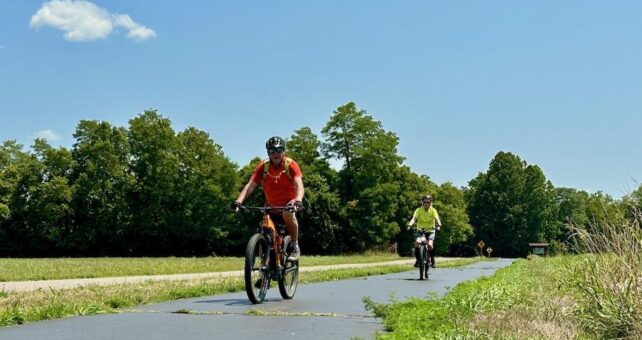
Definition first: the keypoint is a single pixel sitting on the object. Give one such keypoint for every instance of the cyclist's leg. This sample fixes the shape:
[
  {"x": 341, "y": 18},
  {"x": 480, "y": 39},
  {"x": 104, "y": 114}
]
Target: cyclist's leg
[
  {"x": 292, "y": 225},
  {"x": 431, "y": 248},
  {"x": 418, "y": 241}
]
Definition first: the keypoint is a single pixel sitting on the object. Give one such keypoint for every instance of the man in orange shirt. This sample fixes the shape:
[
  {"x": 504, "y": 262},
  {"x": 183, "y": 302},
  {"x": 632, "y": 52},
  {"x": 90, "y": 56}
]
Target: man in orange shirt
[{"x": 282, "y": 183}]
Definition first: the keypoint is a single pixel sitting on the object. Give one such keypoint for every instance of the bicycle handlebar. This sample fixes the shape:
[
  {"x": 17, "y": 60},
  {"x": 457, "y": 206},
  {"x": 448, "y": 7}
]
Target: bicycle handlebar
[
  {"x": 264, "y": 210},
  {"x": 414, "y": 228}
]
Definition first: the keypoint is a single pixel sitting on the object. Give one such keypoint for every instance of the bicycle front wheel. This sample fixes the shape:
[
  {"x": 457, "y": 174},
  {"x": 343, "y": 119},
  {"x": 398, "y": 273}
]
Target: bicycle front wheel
[
  {"x": 428, "y": 263},
  {"x": 257, "y": 279},
  {"x": 422, "y": 262},
  {"x": 290, "y": 277}
]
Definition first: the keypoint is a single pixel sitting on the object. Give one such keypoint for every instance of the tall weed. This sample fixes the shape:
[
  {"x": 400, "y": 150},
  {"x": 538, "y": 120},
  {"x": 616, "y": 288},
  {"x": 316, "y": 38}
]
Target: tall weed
[{"x": 607, "y": 282}]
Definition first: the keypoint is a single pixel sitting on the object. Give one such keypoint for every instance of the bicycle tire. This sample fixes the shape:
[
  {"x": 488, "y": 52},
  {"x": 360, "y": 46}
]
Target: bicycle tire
[
  {"x": 422, "y": 262},
  {"x": 290, "y": 277},
  {"x": 255, "y": 253},
  {"x": 428, "y": 263}
]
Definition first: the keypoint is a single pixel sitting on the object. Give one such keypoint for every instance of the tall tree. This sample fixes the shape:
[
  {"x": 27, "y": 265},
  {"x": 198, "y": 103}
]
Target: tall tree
[
  {"x": 13, "y": 161},
  {"x": 451, "y": 205},
  {"x": 101, "y": 182},
  {"x": 319, "y": 223},
  {"x": 367, "y": 183},
  {"x": 155, "y": 167},
  {"x": 510, "y": 205},
  {"x": 38, "y": 199},
  {"x": 205, "y": 185}
]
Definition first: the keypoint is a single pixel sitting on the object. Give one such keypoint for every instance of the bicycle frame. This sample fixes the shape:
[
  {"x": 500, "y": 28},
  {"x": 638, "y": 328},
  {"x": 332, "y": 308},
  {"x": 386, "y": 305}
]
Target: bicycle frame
[{"x": 274, "y": 236}]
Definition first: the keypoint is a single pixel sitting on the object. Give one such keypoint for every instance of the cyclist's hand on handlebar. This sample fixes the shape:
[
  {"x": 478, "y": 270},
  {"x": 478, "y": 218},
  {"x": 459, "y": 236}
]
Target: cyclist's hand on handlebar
[
  {"x": 235, "y": 206},
  {"x": 294, "y": 205},
  {"x": 438, "y": 228}
]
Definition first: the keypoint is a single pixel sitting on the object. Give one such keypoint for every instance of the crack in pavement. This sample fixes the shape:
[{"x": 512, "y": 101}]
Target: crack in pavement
[{"x": 253, "y": 312}]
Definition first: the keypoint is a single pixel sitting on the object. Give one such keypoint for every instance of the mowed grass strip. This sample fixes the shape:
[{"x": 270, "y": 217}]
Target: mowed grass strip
[
  {"x": 45, "y": 304},
  {"x": 78, "y": 268}
]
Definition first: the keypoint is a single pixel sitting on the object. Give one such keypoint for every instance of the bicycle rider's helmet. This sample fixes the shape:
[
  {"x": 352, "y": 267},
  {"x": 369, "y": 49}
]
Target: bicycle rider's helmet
[
  {"x": 275, "y": 142},
  {"x": 426, "y": 198}
]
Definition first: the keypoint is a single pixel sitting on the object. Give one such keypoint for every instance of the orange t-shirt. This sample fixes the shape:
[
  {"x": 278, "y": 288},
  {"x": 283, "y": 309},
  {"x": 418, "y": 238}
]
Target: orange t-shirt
[{"x": 279, "y": 189}]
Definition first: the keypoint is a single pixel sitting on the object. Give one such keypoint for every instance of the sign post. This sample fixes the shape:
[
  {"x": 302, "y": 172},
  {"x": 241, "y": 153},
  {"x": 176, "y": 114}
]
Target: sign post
[{"x": 481, "y": 244}]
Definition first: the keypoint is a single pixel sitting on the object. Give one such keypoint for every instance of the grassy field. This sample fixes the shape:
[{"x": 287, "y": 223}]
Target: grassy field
[
  {"x": 75, "y": 268},
  {"x": 597, "y": 295},
  {"x": 21, "y": 307}
]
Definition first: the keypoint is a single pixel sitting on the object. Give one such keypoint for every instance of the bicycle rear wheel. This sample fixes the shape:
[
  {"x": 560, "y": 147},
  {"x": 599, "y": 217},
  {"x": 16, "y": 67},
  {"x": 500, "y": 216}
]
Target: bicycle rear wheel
[
  {"x": 290, "y": 277},
  {"x": 257, "y": 278}
]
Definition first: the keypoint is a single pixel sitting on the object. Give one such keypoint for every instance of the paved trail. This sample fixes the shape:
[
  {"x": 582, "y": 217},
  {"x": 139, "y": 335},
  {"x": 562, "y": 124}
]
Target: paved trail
[{"x": 324, "y": 310}]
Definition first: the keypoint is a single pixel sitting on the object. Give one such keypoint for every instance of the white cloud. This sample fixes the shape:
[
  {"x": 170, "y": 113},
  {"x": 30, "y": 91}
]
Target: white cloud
[
  {"x": 47, "y": 134},
  {"x": 136, "y": 30},
  {"x": 83, "y": 21}
]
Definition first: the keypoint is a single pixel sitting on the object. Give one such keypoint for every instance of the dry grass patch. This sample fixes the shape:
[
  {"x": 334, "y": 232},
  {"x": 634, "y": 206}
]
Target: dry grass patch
[{"x": 524, "y": 324}]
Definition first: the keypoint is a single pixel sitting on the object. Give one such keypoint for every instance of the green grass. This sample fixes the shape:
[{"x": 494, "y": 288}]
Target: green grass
[
  {"x": 518, "y": 302},
  {"x": 75, "y": 268}
]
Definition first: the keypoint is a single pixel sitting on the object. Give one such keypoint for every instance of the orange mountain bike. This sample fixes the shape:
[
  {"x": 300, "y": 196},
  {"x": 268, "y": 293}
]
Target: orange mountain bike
[{"x": 266, "y": 256}]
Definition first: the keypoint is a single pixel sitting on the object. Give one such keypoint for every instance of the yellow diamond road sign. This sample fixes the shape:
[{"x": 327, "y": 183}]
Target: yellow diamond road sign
[{"x": 481, "y": 244}]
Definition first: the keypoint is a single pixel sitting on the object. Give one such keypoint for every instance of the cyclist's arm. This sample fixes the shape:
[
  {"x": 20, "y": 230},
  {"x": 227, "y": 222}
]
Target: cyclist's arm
[
  {"x": 247, "y": 191},
  {"x": 437, "y": 221},
  {"x": 300, "y": 190},
  {"x": 412, "y": 220}
]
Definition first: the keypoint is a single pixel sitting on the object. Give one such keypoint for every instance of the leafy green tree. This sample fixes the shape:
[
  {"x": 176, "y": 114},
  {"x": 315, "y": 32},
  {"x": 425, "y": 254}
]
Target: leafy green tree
[
  {"x": 244, "y": 225},
  {"x": 571, "y": 206},
  {"x": 319, "y": 223},
  {"x": 38, "y": 197},
  {"x": 602, "y": 208},
  {"x": 631, "y": 204},
  {"x": 510, "y": 205},
  {"x": 570, "y": 210},
  {"x": 367, "y": 184},
  {"x": 205, "y": 185},
  {"x": 12, "y": 160},
  {"x": 451, "y": 205},
  {"x": 101, "y": 181},
  {"x": 155, "y": 167},
  {"x": 10, "y": 153},
  {"x": 50, "y": 211}
]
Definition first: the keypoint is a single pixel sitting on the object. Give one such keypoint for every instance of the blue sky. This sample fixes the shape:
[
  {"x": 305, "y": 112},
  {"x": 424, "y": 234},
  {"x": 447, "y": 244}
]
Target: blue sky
[{"x": 558, "y": 83}]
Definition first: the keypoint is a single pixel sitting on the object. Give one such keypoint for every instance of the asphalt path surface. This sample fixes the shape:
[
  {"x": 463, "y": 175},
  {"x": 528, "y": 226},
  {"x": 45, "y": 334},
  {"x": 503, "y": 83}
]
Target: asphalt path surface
[{"x": 324, "y": 310}]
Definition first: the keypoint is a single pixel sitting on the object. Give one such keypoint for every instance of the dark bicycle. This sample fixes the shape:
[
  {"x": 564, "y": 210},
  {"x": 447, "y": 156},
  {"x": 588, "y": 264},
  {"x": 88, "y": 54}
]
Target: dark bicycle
[
  {"x": 266, "y": 256},
  {"x": 424, "y": 258}
]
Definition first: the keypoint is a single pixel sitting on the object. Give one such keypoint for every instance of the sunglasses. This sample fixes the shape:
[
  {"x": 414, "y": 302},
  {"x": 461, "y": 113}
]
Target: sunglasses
[
  {"x": 424, "y": 202},
  {"x": 276, "y": 150}
]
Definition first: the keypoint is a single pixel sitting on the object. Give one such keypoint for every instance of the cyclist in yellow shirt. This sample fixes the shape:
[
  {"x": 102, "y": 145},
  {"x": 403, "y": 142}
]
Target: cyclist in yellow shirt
[{"x": 426, "y": 217}]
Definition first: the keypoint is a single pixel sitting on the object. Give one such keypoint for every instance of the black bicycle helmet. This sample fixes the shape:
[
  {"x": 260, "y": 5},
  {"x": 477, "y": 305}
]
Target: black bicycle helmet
[
  {"x": 275, "y": 142},
  {"x": 426, "y": 198}
]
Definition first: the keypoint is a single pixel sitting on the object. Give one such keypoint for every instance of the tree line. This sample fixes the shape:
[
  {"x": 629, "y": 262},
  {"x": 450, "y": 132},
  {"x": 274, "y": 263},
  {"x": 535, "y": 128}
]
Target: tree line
[{"x": 147, "y": 190}]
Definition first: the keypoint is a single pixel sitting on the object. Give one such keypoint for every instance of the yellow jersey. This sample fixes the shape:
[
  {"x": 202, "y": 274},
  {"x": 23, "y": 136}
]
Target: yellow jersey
[{"x": 426, "y": 218}]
